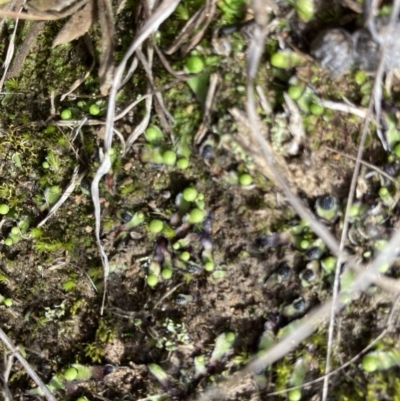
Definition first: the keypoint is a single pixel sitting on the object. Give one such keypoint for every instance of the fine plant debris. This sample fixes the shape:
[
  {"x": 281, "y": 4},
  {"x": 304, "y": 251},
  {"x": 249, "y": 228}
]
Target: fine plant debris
[{"x": 199, "y": 200}]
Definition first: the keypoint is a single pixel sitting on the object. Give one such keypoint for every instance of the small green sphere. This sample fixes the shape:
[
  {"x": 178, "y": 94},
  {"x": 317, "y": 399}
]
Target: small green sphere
[
  {"x": 189, "y": 194},
  {"x": 396, "y": 150},
  {"x": 196, "y": 216},
  {"x": 369, "y": 363},
  {"x": 194, "y": 64},
  {"x": 294, "y": 395},
  {"x": 279, "y": 60},
  {"x": 185, "y": 256},
  {"x": 46, "y": 165},
  {"x": 355, "y": 210},
  {"x": 295, "y": 92},
  {"x": 305, "y": 10},
  {"x": 383, "y": 192},
  {"x": 360, "y": 77},
  {"x": 94, "y": 109},
  {"x": 4, "y": 209},
  {"x": 166, "y": 274},
  {"x": 15, "y": 231},
  {"x": 66, "y": 114},
  {"x": 153, "y": 134},
  {"x": 50, "y": 129},
  {"x": 304, "y": 244},
  {"x": 82, "y": 399},
  {"x": 183, "y": 163},
  {"x": 209, "y": 266},
  {"x": 8, "y": 241},
  {"x": 156, "y": 226},
  {"x": 329, "y": 264},
  {"x": 316, "y": 109},
  {"x": 8, "y": 302},
  {"x": 245, "y": 180},
  {"x": 169, "y": 157},
  {"x": 70, "y": 374},
  {"x": 152, "y": 280}
]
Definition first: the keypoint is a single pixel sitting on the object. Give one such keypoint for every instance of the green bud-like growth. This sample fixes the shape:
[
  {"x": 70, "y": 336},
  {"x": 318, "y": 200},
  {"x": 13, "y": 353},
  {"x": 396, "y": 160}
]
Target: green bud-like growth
[
  {"x": 329, "y": 264},
  {"x": 84, "y": 372},
  {"x": 316, "y": 109},
  {"x": 71, "y": 374},
  {"x": 152, "y": 155},
  {"x": 169, "y": 157},
  {"x": 183, "y": 163},
  {"x": 380, "y": 360},
  {"x": 159, "y": 374},
  {"x": 386, "y": 196},
  {"x": 310, "y": 275},
  {"x": 156, "y": 226},
  {"x": 52, "y": 195},
  {"x": 295, "y": 91},
  {"x": 326, "y": 207},
  {"x": 152, "y": 280},
  {"x": 4, "y": 209},
  {"x": 153, "y": 134},
  {"x": 223, "y": 344},
  {"x": 297, "y": 379},
  {"x": 196, "y": 216},
  {"x": 194, "y": 65},
  {"x": 189, "y": 194},
  {"x": 136, "y": 220},
  {"x": 245, "y": 179},
  {"x": 199, "y": 366},
  {"x": 286, "y": 59},
  {"x": 297, "y": 307},
  {"x": 305, "y": 9},
  {"x": 66, "y": 114}
]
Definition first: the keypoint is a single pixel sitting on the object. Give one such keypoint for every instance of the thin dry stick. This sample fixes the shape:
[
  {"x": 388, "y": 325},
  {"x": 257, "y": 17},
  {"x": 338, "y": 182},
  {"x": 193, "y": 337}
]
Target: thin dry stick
[
  {"x": 9, "y": 55},
  {"x": 208, "y": 14},
  {"x": 161, "y": 14},
  {"x": 388, "y": 327},
  {"x": 27, "y": 367},
  {"x": 377, "y": 92},
  {"x": 345, "y": 108},
  {"x": 75, "y": 180},
  {"x": 79, "y": 81},
  {"x": 194, "y": 21},
  {"x": 310, "y": 322},
  {"x": 8, "y": 363},
  {"x": 371, "y": 166}
]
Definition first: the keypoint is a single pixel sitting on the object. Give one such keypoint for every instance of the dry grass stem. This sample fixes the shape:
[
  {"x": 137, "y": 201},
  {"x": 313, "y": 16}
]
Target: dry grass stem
[
  {"x": 75, "y": 180},
  {"x": 375, "y": 102},
  {"x": 371, "y": 166},
  {"x": 163, "y": 11},
  {"x": 27, "y": 367},
  {"x": 343, "y": 107}
]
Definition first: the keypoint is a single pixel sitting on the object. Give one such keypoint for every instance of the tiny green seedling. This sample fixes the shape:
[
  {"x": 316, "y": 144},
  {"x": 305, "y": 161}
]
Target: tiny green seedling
[{"x": 223, "y": 344}]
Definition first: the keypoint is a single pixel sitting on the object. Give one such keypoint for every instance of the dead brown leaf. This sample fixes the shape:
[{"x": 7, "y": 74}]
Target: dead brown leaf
[
  {"x": 106, "y": 68},
  {"x": 77, "y": 25}
]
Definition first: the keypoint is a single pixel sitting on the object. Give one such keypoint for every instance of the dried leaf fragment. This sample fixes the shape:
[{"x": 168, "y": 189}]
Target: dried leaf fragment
[
  {"x": 76, "y": 26},
  {"x": 106, "y": 68}
]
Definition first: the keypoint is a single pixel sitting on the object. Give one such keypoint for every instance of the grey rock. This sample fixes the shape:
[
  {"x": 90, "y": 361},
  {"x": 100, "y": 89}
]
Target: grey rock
[
  {"x": 337, "y": 50},
  {"x": 334, "y": 49}
]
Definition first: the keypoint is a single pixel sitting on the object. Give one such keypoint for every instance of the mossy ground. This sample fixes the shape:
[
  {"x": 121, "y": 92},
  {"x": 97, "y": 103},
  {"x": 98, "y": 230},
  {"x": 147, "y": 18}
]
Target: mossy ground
[{"x": 54, "y": 275}]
